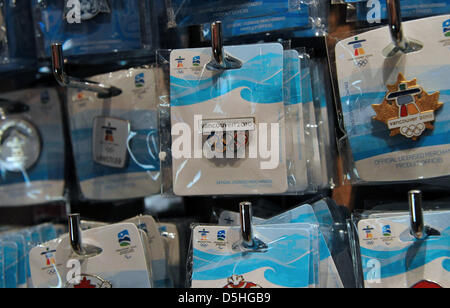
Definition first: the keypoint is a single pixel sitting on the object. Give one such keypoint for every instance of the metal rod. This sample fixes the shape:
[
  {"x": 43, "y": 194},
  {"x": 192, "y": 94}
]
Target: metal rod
[
  {"x": 418, "y": 228},
  {"x": 221, "y": 60},
  {"x": 64, "y": 80},
  {"x": 75, "y": 234},
  {"x": 246, "y": 215},
  {"x": 395, "y": 25},
  {"x": 217, "y": 43}
]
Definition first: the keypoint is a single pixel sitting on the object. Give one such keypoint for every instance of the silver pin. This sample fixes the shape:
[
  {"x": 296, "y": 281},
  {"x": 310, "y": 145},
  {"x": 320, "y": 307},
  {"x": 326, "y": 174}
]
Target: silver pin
[
  {"x": 249, "y": 242},
  {"x": 76, "y": 241},
  {"x": 399, "y": 41},
  {"x": 221, "y": 60},
  {"x": 103, "y": 91},
  {"x": 20, "y": 142}
]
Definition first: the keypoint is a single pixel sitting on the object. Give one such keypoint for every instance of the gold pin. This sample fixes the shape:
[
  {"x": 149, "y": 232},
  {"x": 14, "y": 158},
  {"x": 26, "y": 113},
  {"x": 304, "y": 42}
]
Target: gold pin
[{"x": 407, "y": 108}]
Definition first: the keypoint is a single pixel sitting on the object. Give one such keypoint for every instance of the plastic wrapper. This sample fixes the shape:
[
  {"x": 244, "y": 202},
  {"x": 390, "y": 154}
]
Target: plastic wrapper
[
  {"x": 324, "y": 114},
  {"x": 10, "y": 263},
  {"x": 4, "y": 51},
  {"x": 171, "y": 239},
  {"x": 17, "y": 46},
  {"x": 393, "y": 106},
  {"x": 314, "y": 162},
  {"x": 376, "y": 11},
  {"x": 308, "y": 18},
  {"x": 195, "y": 104},
  {"x": 244, "y": 106},
  {"x": 219, "y": 259},
  {"x": 96, "y": 27},
  {"x": 32, "y": 148},
  {"x": 386, "y": 254},
  {"x": 121, "y": 261},
  {"x": 15, "y": 265},
  {"x": 115, "y": 140},
  {"x": 162, "y": 240}
]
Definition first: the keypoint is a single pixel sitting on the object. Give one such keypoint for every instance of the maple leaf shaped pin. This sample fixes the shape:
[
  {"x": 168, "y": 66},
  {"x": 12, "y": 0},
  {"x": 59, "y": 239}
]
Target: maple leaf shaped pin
[{"x": 407, "y": 108}]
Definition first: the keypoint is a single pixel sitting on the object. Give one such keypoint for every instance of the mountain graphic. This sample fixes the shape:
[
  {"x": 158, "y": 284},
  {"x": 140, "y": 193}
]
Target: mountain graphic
[{"x": 124, "y": 238}]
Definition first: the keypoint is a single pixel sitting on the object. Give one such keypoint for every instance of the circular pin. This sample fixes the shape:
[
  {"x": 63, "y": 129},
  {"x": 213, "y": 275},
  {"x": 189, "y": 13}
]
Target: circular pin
[{"x": 20, "y": 145}]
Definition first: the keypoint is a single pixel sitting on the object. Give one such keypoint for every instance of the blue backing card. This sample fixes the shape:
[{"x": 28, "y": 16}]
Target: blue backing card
[
  {"x": 20, "y": 34},
  {"x": 10, "y": 264},
  {"x": 20, "y": 242},
  {"x": 119, "y": 30}
]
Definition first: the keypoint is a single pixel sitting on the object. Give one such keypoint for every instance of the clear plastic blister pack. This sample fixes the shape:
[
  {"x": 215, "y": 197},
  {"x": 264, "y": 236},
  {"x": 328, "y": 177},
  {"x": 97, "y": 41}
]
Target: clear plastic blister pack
[
  {"x": 410, "y": 9},
  {"x": 115, "y": 140},
  {"x": 335, "y": 269},
  {"x": 32, "y": 147},
  {"x": 17, "y": 46},
  {"x": 93, "y": 26},
  {"x": 301, "y": 18},
  {"x": 228, "y": 128},
  {"x": 393, "y": 105},
  {"x": 15, "y": 246},
  {"x": 276, "y": 121},
  {"x": 386, "y": 254},
  {"x": 219, "y": 259},
  {"x": 112, "y": 256}
]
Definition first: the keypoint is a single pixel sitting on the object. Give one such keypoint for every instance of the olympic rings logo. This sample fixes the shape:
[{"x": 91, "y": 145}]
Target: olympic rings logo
[{"x": 413, "y": 130}]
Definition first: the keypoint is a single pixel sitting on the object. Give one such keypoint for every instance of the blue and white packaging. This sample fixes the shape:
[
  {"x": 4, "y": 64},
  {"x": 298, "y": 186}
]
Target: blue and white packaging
[
  {"x": 17, "y": 45},
  {"x": 328, "y": 274},
  {"x": 388, "y": 142},
  {"x": 43, "y": 181},
  {"x": 228, "y": 127},
  {"x": 288, "y": 262},
  {"x": 391, "y": 257},
  {"x": 103, "y": 26},
  {"x": 121, "y": 263},
  {"x": 158, "y": 258},
  {"x": 367, "y": 10},
  {"x": 10, "y": 264},
  {"x": 20, "y": 241},
  {"x": 115, "y": 140},
  {"x": 295, "y": 126}
]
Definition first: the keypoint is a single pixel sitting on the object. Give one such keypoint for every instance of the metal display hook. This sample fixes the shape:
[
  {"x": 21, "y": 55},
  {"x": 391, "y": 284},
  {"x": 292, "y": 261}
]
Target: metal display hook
[
  {"x": 399, "y": 41},
  {"x": 417, "y": 225},
  {"x": 102, "y": 90},
  {"x": 418, "y": 228},
  {"x": 76, "y": 242},
  {"x": 249, "y": 242},
  {"x": 221, "y": 60}
]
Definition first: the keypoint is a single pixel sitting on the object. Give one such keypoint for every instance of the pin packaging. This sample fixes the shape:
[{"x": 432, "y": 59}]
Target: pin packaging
[
  {"x": 115, "y": 139},
  {"x": 93, "y": 27},
  {"x": 32, "y": 148},
  {"x": 389, "y": 255},
  {"x": 295, "y": 127},
  {"x": 120, "y": 264},
  {"x": 222, "y": 117},
  {"x": 216, "y": 264},
  {"x": 158, "y": 258},
  {"x": 394, "y": 104},
  {"x": 171, "y": 239}
]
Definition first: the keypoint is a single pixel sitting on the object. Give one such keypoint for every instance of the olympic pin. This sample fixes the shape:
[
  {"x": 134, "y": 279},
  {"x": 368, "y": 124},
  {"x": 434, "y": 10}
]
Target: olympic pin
[{"x": 408, "y": 109}]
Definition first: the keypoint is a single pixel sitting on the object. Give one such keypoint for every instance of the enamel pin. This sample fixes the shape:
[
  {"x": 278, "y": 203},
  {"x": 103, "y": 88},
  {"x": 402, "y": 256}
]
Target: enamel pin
[{"x": 408, "y": 109}]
